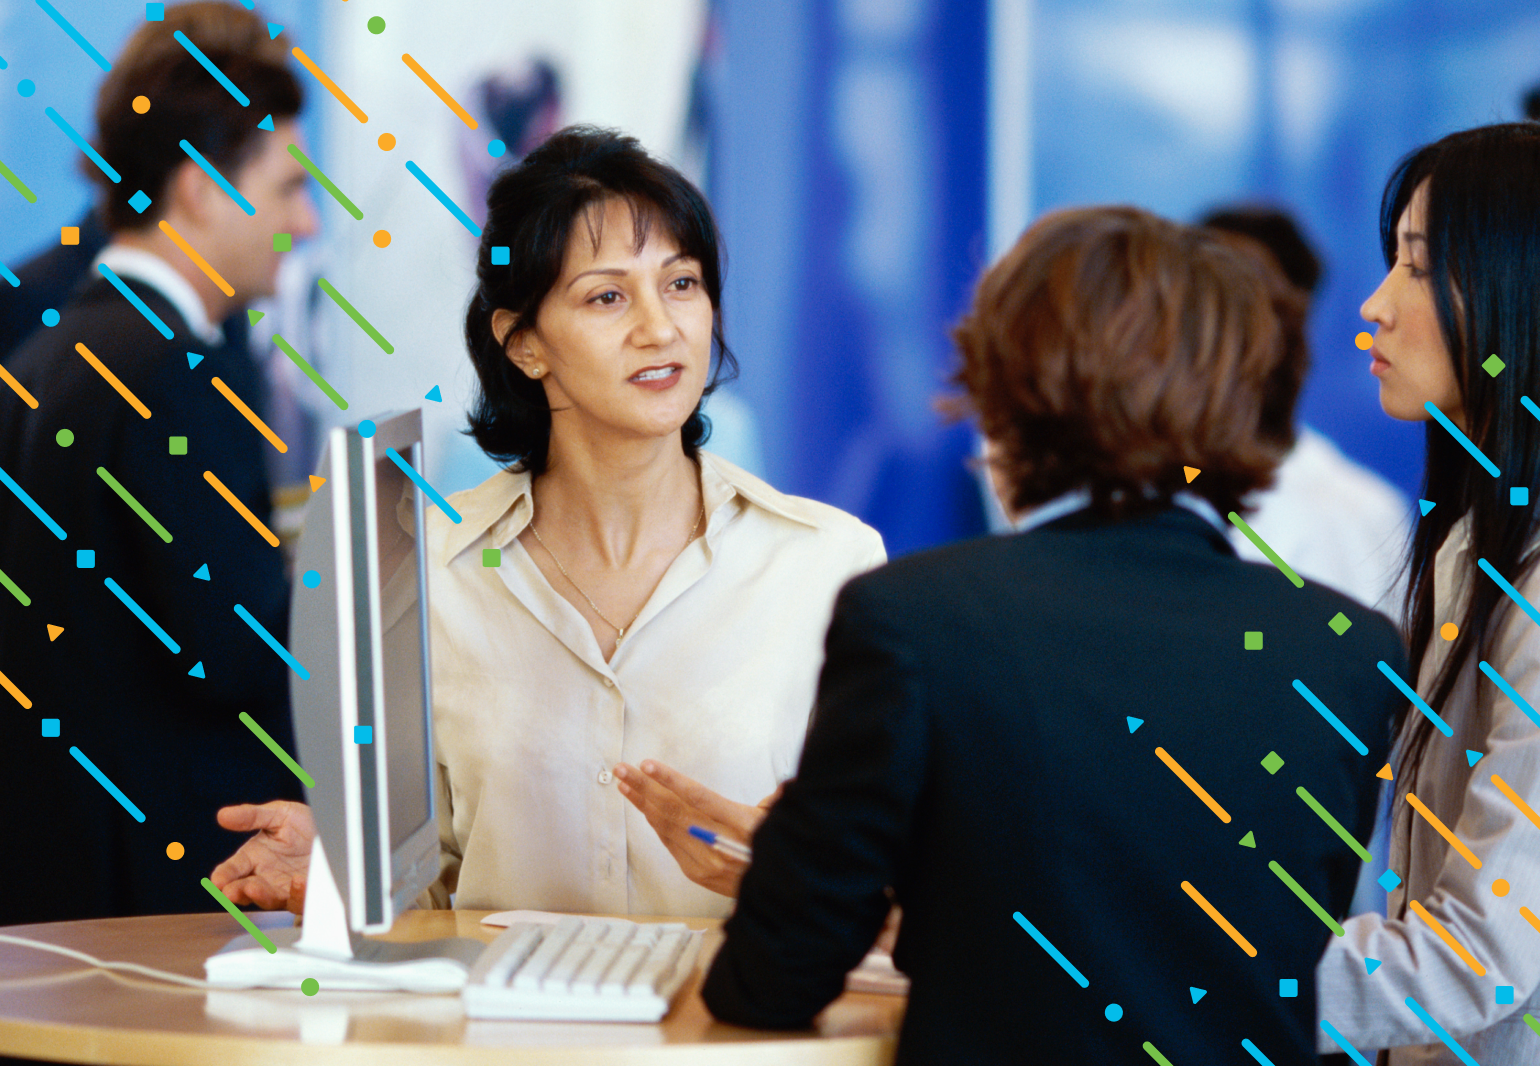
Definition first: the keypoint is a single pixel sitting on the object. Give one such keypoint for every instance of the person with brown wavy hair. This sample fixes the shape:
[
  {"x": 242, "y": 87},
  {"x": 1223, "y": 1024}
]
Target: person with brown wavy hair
[{"x": 974, "y": 746}]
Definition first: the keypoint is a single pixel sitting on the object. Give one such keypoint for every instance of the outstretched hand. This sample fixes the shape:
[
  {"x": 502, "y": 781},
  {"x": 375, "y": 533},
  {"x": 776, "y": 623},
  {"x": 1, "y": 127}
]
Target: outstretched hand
[
  {"x": 269, "y": 870},
  {"x": 672, "y": 803}
]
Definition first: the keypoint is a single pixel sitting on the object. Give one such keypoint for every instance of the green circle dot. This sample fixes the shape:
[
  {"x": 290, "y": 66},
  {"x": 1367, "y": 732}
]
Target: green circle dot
[
  {"x": 310, "y": 986},
  {"x": 376, "y": 25},
  {"x": 65, "y": 438}
]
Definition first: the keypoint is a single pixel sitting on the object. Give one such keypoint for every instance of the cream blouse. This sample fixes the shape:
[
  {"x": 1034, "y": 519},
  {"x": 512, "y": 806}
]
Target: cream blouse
[{"x": 716, "y": 678}]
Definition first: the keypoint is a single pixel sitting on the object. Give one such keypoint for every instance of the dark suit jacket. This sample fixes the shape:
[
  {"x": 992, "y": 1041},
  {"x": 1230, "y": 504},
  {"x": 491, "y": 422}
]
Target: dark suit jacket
[
  {"x": 971, "y": 748},
  {"x": 173, "y": 743},
  {"x": 48, "y": 279}
]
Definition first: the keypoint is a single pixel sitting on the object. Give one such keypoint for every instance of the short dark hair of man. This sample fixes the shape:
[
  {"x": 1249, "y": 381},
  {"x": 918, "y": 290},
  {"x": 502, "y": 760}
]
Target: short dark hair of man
[
  {"x": 1279, "y": 233},
  {"x": 187, "y": 102},
  {"x": 1110, "y": 348}
]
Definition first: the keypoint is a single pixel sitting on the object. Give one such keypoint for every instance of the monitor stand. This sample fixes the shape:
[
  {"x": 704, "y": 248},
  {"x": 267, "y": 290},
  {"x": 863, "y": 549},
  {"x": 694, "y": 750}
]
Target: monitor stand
[{"x": 324, "y": 948}]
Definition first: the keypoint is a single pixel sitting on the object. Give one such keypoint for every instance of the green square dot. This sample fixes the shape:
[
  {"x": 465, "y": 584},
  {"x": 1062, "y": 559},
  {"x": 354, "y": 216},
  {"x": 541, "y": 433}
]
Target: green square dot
[
  {"x": 491, "y": 557},
  {"x": 283, "y": 242},
  {"x": 1493, "y": 365},
  {"x": 1339, "y": 624},
  {"x": 1273, "y": 763},
  {"x": 178, "y": 445},
  {"x": 1253, "y": 640}
]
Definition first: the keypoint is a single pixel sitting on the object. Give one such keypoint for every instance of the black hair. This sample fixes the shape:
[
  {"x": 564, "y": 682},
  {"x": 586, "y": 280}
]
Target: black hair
[
  {"x": 1483, "y": 239},
  {"x": 1532, "y": 103},
  {"x": 1279, "y": 233},
  {"x": 532, "y": 210}
]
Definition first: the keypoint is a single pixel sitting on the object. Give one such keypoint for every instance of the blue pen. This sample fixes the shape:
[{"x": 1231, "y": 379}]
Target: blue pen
[{"x": 730, "y": 848}]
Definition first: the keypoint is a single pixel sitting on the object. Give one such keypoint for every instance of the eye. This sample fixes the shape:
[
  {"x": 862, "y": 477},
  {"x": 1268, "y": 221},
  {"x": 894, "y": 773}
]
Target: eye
[
  {"x": 685, "y": 283},
  {"x": 606, "y": 299}
]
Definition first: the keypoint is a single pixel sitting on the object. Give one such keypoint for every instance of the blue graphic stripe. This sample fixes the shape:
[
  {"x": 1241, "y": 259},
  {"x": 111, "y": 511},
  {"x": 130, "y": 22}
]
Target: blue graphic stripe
[
  {"x": 219, "y": 179},
  {"x": 1417, "y": 701},
  {"x": 1529, "y": 405},
  {"x": 283, "y": 653},
  {"x": 1058, "y": 956},
  {"x": 85, "y": 46},
  {"x": 219, "y": 75},
  {"x": 454, "y": 208},
  {"x": 1513, "y": 594},
  {"x": 128, "y": 601},
  {"x": 21, "y": 494},
  {"x": 1461, "y": 439},
  {"x": 101, "y": 779},
  {"x": 1336, "y": 723},
  {"x": 406, "y": 468},
  {"x": 1512, "y": 693},
  {"x": 1348, "y": 1049},
  {"x": 80, "y": 142},
  {"x": 128, "y": 294},
  {"x": 5, "y": 272},
  {"x": 1256, "y": 1053},
  {"x": 1441, "y": 1033}
]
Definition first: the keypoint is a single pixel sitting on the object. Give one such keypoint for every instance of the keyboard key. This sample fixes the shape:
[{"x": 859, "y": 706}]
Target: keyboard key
[{"x": 554, "y": 943}]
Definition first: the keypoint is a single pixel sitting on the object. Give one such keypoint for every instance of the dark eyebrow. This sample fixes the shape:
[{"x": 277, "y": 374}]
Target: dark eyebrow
[
  {"x": 1409, "y": 237},
  {"x": 620, "y": 272}
]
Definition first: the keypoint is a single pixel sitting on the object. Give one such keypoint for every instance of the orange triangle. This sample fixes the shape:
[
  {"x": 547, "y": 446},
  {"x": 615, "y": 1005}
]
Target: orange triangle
[
  {"x": 1191, "y": 472},
  {"x": 1384, "y": 773},
  {"x": 54, "y": 631},
  {"x": 316, "y": 482}
]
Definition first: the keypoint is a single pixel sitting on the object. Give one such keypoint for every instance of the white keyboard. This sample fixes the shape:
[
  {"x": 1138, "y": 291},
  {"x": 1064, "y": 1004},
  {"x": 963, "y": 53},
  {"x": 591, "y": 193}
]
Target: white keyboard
[{"x": 582, "y": 969}]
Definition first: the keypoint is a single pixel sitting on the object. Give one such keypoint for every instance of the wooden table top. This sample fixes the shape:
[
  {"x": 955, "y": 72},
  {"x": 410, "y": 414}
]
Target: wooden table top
[{"x": 56, "y": 1008}]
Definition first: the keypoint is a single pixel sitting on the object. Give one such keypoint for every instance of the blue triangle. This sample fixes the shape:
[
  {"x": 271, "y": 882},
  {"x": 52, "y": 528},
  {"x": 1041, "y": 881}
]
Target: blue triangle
[
  {"x": 193, "y": 359},
  {"x": 1473, "y": 757},
  {"x": 273, "y": 30},
  {"x": 1426, "y": 505},
  {"x": 196, "y": 671},
  {"x": 1372, "y": 964},
  {"x": 202, "y": 573},
  {"x": 266, "y": 124},
  {"x": 1197, "y": 993},
  {"x": 434, "y": 395},
  {"x": 1134, "y": 723}
]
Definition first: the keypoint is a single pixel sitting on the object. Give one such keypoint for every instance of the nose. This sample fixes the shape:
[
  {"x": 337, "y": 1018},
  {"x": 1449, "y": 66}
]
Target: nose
[
  {"x": 655, "y": 327},
  {"x": 307, "y": 222},
  {"x": 1377, "y": 307}
]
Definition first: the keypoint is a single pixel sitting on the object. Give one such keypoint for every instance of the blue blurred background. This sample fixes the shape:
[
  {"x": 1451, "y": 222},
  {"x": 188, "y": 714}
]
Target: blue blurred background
[{"x": 866, "y": 158}]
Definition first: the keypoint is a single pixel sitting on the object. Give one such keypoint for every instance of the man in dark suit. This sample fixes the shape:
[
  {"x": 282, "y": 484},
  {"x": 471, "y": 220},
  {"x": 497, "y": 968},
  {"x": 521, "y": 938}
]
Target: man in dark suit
[
  {"x": 140, "y": 559},
  {"x": 1070, "y": 736}
]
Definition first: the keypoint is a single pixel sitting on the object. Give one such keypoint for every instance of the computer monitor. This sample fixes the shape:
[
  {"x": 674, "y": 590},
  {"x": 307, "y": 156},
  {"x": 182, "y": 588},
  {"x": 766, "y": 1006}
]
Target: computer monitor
[{"x": 362, "y": 703}]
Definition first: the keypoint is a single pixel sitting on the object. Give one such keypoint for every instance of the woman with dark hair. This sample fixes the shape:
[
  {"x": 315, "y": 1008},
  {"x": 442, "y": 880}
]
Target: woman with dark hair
[
  {"x": 1458, "y": 346},
  {"x": 617, "y": 593}
]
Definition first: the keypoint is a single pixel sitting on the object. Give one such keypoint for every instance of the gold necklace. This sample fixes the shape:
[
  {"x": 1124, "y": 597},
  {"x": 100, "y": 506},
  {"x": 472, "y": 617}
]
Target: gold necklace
[{"x": 620, "y": 631}]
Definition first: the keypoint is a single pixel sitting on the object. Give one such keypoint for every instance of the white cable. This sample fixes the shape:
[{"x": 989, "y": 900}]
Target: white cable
[{"x": 132, "y": 967}]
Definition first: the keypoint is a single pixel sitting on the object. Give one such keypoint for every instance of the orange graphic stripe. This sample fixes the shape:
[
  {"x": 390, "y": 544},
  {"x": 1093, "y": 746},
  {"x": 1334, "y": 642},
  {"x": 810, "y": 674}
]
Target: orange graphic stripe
[
  {"x": 331, "y": 86},
  {"x": 1219, "y": 919},
  {"x": 192, "y": 253},
  {"x": 251, "y": 416},
  {"x": 18, "y": 388},
  {"x": 10, "y": 686},
  {"x": 245, "y": 512},
  {"x": 1197, "y": 789},
  {"x": 1518, "y": 801},
  {"x": 1454, "y": 842},
  {"x": 1443, "y": 934},
  {"x": 112, "y": 379},
  {"x": 438, "y": 90}
]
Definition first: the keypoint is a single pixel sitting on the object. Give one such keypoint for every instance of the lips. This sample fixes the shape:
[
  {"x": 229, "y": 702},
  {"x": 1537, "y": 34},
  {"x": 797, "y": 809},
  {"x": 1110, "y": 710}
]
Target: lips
[
  {"x": 1379, "y": 364},
  {"x": 653, "y": 374}
]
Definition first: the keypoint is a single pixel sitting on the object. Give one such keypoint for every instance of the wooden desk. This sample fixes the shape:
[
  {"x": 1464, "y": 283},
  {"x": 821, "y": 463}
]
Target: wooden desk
[{"x": 52, "y": 1007}]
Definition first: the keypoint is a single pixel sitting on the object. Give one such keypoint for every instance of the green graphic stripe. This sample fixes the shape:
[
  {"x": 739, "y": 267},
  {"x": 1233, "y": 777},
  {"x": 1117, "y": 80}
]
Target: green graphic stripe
[
  {"x": 1336, "y": 826},
  {"x": 19, "y": 185},
  {"x": 310, "y": 371},
  {"x": 1272, "y": 556},
  {"x": 235, "y": 912},
  {"x": 26, "y": 601},
  {"x": 1155, "y": 1054},
  {"x": 363, "y": 323},
  {"x": 326, "y": 183},
  {"x": 1307, "y": 899},
  {"x": 128, "y": 498},
  {"x": 277, "y": 749},
  {"x": 1529, "y": 1020}
]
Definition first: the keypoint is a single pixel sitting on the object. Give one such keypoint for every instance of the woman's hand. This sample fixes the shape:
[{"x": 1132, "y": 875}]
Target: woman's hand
[
  {"x": 269, "y": 870},
  {"x": 673, "y": 802}
]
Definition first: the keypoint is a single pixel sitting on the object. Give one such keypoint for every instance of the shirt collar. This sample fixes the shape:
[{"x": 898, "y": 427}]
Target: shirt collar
[
  {"x": 155, "y": 272},
  {"x": 501, "y": 506},
  {"x": 1079, "y": 499}
]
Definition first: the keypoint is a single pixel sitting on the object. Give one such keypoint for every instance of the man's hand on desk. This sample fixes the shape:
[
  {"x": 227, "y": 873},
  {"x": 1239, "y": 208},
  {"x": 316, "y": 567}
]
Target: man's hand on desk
[
  {"x": 673, "y": 802},
  {"x": 269, "y": 869}
]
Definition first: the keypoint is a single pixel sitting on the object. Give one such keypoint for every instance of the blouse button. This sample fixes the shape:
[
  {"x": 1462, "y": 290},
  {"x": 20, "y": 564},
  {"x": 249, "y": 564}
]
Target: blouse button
[
  {"x": 608, "y": 683},
  {"x": 605, "y": 777}
]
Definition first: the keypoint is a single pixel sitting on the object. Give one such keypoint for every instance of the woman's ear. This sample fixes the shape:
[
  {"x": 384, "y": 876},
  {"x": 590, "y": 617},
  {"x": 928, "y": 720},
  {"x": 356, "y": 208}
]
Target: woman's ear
[{"x": 516, "y": 343}]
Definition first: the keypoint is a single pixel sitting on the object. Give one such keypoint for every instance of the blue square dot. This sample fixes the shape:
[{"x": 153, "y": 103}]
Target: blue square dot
[
  {"x": 1389, "y": 880},
  {"x": 1505, "y": 993},
  {"x": 1518, "y": 496},
  {"x": 51, "y": 729},
  {"x": 139, "y": 201},
  {"x": 363, "y": 734},
  {"x": 85, "y": 559},
  {"x": 155, "y": 12},
  {"x": 1288, "y": 988},
  {"x": 499, "y": 255}
]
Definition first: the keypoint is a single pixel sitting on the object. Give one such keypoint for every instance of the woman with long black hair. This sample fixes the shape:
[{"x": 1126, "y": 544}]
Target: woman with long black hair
[{"x": 1458, "y": 345}]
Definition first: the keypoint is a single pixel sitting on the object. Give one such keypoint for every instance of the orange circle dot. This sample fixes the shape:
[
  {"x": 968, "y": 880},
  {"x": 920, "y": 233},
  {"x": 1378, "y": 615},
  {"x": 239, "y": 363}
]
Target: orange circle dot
[
  {"x": 141, "y": 104},
  {"x": 1499, "y": 887},
  {"x": 381, "y": 238},
  {"x": 1448, "y": 630},
  {"x": 387, "y": 141},
  {"x": 1364, "y": 341},
  {"x": 175, "y": 850}
]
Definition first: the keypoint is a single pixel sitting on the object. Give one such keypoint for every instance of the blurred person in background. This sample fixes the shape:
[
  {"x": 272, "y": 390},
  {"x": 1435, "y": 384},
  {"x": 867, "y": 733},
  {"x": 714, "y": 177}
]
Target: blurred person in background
[{"x": 158, "y": 715}]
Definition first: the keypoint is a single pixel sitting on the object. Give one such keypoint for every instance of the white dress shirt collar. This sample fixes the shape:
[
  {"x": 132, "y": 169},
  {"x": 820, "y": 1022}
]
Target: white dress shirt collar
[
  {"x": 154, "y": 271},
  {"x": 1079, "y": 499}
]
